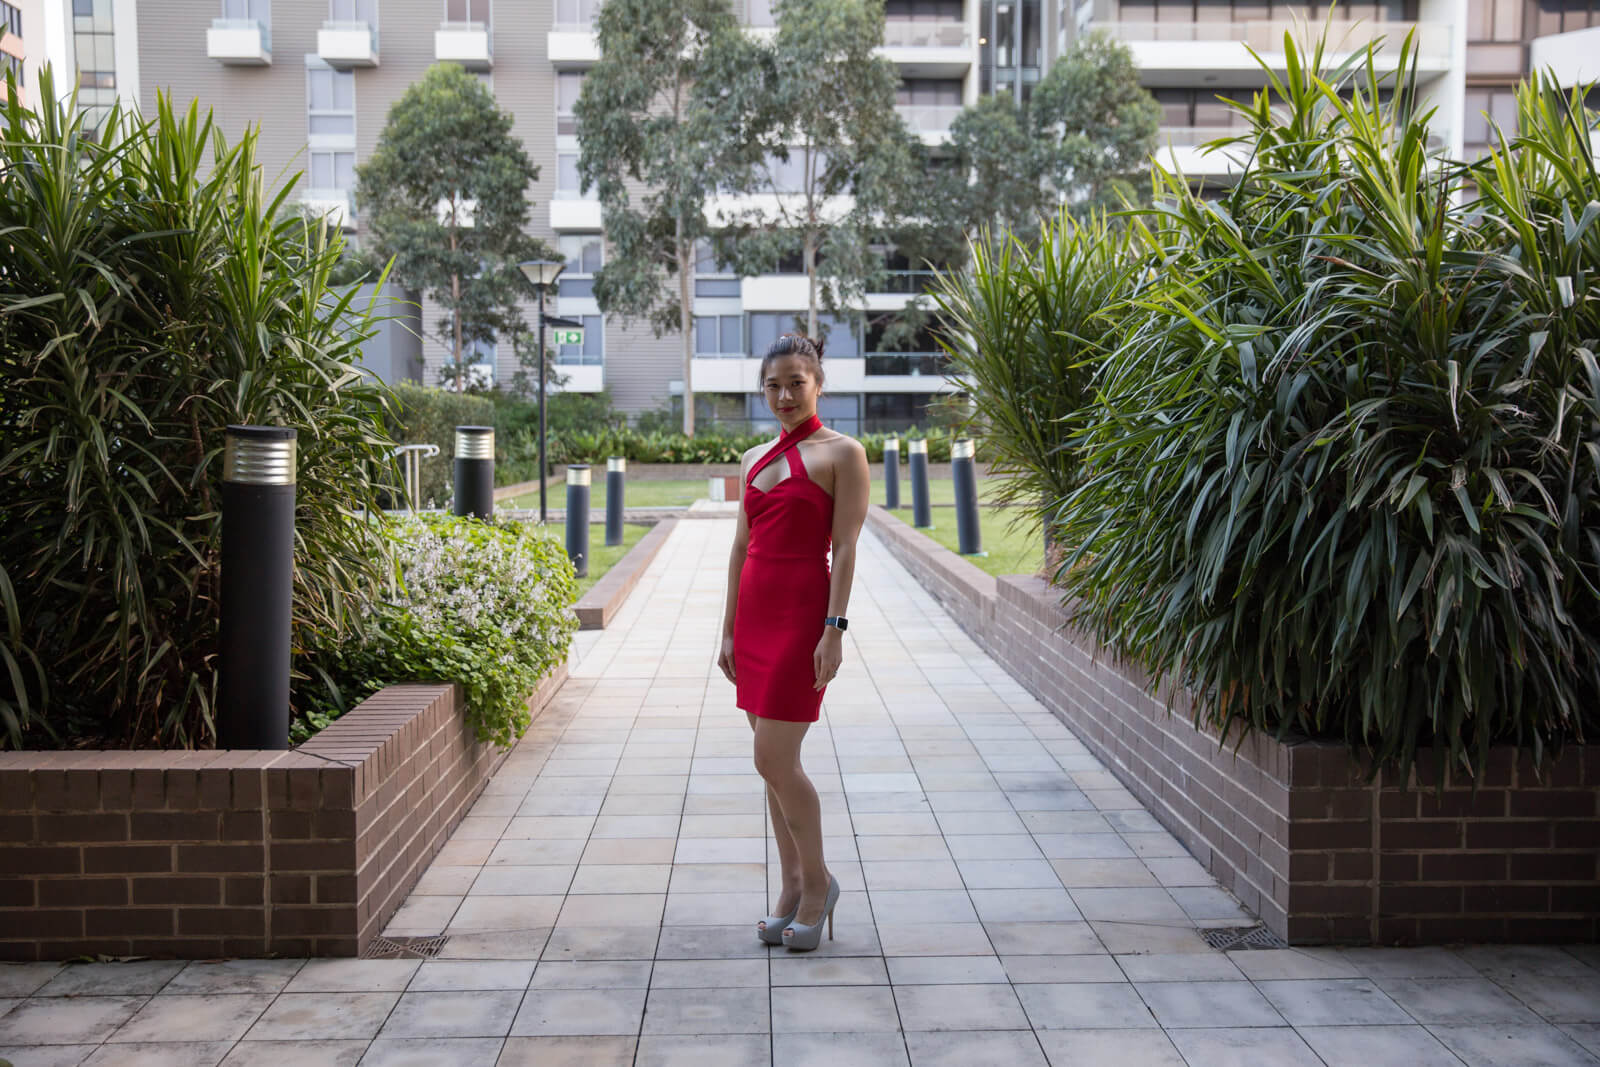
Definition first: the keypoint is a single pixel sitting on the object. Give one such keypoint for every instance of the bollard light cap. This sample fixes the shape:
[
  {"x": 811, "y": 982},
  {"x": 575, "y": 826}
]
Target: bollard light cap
[
  {"x": 891, "y": 443},
  {"x": 963, "y": 449},
  {"x": 578, "y": 474},
  {"x": 474, "y": 442},
  {"x": 617, "y": 463},
  {"x": 259, "y": 455},
  {"x": 917, "y": 446}
]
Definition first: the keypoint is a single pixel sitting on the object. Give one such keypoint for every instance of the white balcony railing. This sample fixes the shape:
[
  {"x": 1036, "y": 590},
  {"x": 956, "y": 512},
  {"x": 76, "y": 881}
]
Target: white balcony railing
[
  {"x": 1433, "y": 38},
  {"x": 1197, "y": 135},
  {"x": 334, "y": 205},
  {"x": 898, "y": 33},
  {"x": 344, "y": 44},
  {"x": 929, "y": 118},
  {"x": 467, "y": 43},
  {"x": 239, "y": 42}
]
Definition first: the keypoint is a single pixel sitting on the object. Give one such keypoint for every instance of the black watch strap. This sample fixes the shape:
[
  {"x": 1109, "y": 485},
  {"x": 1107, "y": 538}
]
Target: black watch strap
[{"x": 839, "y": 622}]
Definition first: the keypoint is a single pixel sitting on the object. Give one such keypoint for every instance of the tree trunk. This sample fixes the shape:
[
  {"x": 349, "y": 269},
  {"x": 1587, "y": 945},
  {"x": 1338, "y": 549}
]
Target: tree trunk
[
  {"x": 455, "y": 311},
  {"x": 685, "y": 327},
  {"x": 811, "y": 282}
]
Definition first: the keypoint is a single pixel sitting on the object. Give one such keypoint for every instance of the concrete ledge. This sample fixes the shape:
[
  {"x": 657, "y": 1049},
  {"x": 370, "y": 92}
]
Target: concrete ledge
[
  {"x": 606, "y": 597},
  {"x": 207, "y": 854},
  {"x": 1294, "y": 828}
]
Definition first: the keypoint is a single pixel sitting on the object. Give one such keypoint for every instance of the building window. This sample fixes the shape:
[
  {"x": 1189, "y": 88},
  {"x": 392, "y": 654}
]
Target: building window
[
  {"x": 467, "y": 11},
  {"x": 247, "y": 10},
  {"x": 576, "y": 15},
  {"x": 839, "y": 331},
  {"x": 1481, "y": 106},
  {"x": 94, "y": 51},
  {"x": 592, "y": 353},
  {"x": 569, "y": 186},
  {"x": 895, "y": 411},
  {"x": 569, "y": 84},
  {"x": 353, "y": 11},
  {"x": 713, "y": 278},
  {"x": 479, "y": 358},
  {"x": 333, "y": 170},
  {"x": 585, "y": 254},
  {"x": 719, "y": 336},
  {"x": 330, "y": 101},
  {"x": 10, "y": 19}
]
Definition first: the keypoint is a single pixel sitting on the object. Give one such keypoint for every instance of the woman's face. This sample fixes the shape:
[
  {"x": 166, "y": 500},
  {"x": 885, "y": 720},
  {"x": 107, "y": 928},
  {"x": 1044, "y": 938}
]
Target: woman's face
[{"x": 792, "y": 390}]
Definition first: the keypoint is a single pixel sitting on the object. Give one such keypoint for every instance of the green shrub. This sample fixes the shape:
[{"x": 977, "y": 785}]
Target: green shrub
[
  {"x": 1342, "y": 478},
  {"x": 149, "y": 297},
  {"x": 430, "y": 416},
  {"x": 485, "y": 605}
]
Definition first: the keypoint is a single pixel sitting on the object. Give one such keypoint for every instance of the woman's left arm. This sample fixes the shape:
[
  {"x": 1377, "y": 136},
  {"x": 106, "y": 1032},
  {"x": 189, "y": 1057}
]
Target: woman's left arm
[{"x": 852, "y": 491}]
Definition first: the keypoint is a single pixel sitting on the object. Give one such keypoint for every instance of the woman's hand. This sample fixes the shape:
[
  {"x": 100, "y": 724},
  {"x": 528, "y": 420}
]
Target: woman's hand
[
  {"x": 725, "y": 659},
  {"x": 829, "y": 654}
]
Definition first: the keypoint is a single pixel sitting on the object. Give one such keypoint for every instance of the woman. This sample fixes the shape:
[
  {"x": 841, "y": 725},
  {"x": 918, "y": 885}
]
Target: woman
[{"x": 784, "y": 621}]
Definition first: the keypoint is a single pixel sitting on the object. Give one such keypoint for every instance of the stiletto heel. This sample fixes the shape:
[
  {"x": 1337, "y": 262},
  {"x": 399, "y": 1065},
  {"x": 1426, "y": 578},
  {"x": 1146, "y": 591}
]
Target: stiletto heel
[
  {"x": 802, "y": 938},
  {"x": 774, "y": 926}
]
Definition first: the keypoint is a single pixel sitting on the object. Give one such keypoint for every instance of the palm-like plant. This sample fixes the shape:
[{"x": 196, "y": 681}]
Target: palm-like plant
[{"x": 147, "y": 300}]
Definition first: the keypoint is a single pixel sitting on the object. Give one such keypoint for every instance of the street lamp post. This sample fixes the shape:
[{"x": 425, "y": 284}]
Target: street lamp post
[{"x": 541, "y": 274}]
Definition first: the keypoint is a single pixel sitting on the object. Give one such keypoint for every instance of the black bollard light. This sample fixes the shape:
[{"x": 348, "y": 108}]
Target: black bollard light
[
  {"x": 921, "y": 514},
  {"x": 257, "y": 595},
  {"x": 578, "y": 517},
  {"x": 964, "y": 473},
  {"x": 475, "y": 471},
  {"x": 616, "y": 472},
  {"x": 891, "y": 473}
]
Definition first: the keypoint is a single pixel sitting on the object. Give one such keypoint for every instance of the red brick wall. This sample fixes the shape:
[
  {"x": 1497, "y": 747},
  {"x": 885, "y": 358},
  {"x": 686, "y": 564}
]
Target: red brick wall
[
  {"x": 236, "y": 853},
  {"x": 1294, "y": 830}
]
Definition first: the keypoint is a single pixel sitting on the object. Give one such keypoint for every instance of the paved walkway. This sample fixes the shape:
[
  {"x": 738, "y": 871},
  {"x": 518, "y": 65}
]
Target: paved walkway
[{"x": 1005, "y": 901}]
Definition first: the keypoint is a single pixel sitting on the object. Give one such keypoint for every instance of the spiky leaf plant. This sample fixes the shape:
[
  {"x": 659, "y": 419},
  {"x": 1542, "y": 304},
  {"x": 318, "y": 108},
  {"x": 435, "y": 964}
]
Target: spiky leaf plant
[{"x": 148, "y": 299}]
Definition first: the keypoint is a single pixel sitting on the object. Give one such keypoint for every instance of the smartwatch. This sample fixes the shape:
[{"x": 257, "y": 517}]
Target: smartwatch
[{"x": 838, "y": 622}]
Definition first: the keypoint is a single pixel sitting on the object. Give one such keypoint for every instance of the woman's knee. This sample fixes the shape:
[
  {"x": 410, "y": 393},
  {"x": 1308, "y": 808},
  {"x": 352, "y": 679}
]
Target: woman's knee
[{"x": 775, "y": 765}]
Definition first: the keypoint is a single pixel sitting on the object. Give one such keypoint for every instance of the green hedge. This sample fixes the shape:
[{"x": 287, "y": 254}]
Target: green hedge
[
  {"x": 1340, "y": 475},
  {"x": 430, "y": 416},
  {"x": 595, "y": 447}
]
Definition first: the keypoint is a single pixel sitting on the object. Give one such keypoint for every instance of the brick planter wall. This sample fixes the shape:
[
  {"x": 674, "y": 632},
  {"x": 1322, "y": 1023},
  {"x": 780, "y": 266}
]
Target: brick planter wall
[
  {"x": 236, "y": 853},
  {"x": 1295, "y": 830}
]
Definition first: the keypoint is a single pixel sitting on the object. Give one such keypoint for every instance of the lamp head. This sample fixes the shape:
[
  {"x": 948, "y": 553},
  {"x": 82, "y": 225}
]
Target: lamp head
[{"x": 542, "y": 273}]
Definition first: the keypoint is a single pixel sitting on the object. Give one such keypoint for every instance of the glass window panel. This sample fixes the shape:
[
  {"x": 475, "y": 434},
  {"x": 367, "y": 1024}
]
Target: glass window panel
[
  {"x": 730, "y": 329},
  {"x": 1213, "y": 11},
  {"x": 716, "y": 287},
  {"x": 1209, "y": 111},
  {"x": 764, "y": 329},
  {"x": 1475, "y": 126},
  {"x": 344, "y": 90},
  {"x": 705, "y": 335},
  {"x": 333, "y": 124},
  {"x": 594, "y": 338},
  {"x": 344, "y": 170},
  {"x": 321, "y": 170},
  {"x": 319, "y": 90},
  {"x": 593, "y": 254},
  {"x": 1479, "y": 23},
  {"x": 568, "y": 85},
  {"x": 567, "y": 172},
  {"x": 577, "y": 287},
  {"x": 1508, "y": 20}
]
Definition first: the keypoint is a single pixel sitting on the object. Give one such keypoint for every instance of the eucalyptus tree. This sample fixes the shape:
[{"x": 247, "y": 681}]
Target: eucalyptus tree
[
  {"x": 665, "y": 111},
  {"x": 446, "y": 195}
]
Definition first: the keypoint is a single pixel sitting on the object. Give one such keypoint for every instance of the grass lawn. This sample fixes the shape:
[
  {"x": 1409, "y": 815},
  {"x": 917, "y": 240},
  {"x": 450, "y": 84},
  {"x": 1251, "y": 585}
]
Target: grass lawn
[
  {"x": 940, "y": 490},
  {"x": 1010, "y": 551},
  {"x": 602, "y": 557},
  {"x": 644, "y": 493}
]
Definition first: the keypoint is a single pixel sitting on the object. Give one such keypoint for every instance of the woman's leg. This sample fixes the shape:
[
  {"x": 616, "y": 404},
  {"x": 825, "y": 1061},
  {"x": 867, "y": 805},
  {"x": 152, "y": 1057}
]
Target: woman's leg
[
  {"x": 788, "y": 855},
  {"x": 798, "y": 813}
]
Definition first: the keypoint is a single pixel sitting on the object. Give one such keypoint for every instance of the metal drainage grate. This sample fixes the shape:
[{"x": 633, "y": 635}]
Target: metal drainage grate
[
  {"x": 1235, "y": 938},
  {"x": 404, "y": 948}
]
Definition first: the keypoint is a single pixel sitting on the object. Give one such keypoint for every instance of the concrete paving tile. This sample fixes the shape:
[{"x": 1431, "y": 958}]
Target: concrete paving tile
[
  {"x": 47, "y": 1055},
  {"x": 1209, "y": 902},
  {"x": 1024, "y": 905},
  {"x": 1103, "y": 873},
  {"x": 611, "y": 878},
  {"x": 1181, "y": 967},
  {"x": 720, "y": 1050},
  {"x": 889, "y": 875},
  {"x": 21, "y": 979},
  {"x": 959, "y": 1007},
  {"x": 549, "y": 827},
  {"x": 353, "y": 976},
  {"x": 500, "y": 945},
  {"x": 591, "y": 974},
  {"x": 1084, "y": 846},
  {"x": 720, "y": 850},
  {"x": 1459, "y": 1001},
  {"x": 1008, "y": 874},
  {"x": 1364, "y": 1046},
  {"x": 427, "y": 1052},
  {"x": 47, "y": 1020},
  {"x": 1279, "y": 1046},
  {"x": 841, "y": 1009},
  {"x": 902, "y": 907},
  {"x": 984, "y": 1048},
  {"x": 1333, "y": 1002},
  {"x": 546, "y": 880},
  {"x": 1123, "y": 938},
  {"x": 1559, "y": 998},
  {"x": 612, "y": 909},
  {"x": 537, "y": 853},
  {"x": 158, "y": 1054},
  {"x": 629, "y": 850},
  {"x": 132, "y": 978},
  {"x": 711, "y": 942},
  {"x": 323, "y": 1016},
  {"x": 935, "y": 939},
  {"x": 617, "y": 1051},
  {"x": 839, "y": 1050},
  {"x": 474, "y": 1013},
  {"x": 1407, "y": 963},
  {"x": 708, "y": 974},
  {"x": 1052, "y": 970},
  {"x": 441, "y": 975},
  {"x": 707, "y": 1011},
  {"x": 1585, "y": 1034},
  {"x": 1284, "y": 963},
  {"x": 1503, "y": 961},
  {"x": 1179, "y": 1005},
  {"x": 442, "y": 881},
  {"x": 562, "y": 1012},
  {"x": 198, "y": 1017},
  {"x": 945, "y": 970},
  {"x": 714, "y": 909},
  {"x": 997, "y": 847},
  {"x": 1128, "y": 905},
  {"x": 1512, "y": 1045},
  {"x": 1084, "y": 1005},
  {"x": 1043, "y": 939},
  {"x": 1090, "y": 1048},
  {"x": 296, "y": 1054},
  {"x": 811, "y": 968},
  {"x": 481, "y": 914}
]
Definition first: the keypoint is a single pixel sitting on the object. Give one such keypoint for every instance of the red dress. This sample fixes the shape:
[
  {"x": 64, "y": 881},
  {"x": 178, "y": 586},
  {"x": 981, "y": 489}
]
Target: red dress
[{"x": 783, "y": 588}]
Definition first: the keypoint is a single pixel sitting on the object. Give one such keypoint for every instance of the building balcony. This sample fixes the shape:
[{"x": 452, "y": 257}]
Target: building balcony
[
  {"x": 906, "y": 364},
  {"x": 1182, "y": 149},
  {"x": 574, "y": 214},
  {"x": 928, "y": 49},
  {"x": 331, "y": 205},
  {"x": 580, "y": 378},
  {"x": 1182, "y": 53},
  {"x": 467, "y": 43},
  {"x": 239, "y": 42},
  {"x": 931, "y": 122},
  {"x": 347, "y": 45},
  {"x": 1573, "y": 58},
  {"x": 572, "y": 47}
]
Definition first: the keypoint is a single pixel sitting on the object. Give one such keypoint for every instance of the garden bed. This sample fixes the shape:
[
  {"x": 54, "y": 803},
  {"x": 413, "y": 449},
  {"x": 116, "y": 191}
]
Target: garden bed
[
  {"x": 1294, "y": 829},
  {"x": 201, "y": 854},
  {"x": 605, "y": 598}
]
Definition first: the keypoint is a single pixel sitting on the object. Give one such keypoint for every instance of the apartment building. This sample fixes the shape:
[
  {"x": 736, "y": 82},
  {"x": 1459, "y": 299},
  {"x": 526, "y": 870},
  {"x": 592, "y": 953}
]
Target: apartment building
[
  {"x": 318, "y": 78},
  {"x": 90, "y": 45},
  {"x": 1507, "y": 39},
  {"x": 13, "y": 52}
]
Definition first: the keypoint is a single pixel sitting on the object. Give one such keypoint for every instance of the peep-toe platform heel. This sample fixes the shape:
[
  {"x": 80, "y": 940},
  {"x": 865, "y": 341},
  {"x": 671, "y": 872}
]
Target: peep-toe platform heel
[
  {"x": 803, "y": 938},
  {"x": 770, "y": 929}
]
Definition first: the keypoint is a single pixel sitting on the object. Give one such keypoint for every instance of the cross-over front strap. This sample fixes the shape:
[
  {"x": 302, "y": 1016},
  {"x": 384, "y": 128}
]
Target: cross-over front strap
[{"x": 784, "y": 444}]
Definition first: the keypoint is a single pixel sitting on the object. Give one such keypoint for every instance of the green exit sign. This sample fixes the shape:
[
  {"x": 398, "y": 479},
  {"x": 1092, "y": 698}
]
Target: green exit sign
[{"x": 569, "y": 337}]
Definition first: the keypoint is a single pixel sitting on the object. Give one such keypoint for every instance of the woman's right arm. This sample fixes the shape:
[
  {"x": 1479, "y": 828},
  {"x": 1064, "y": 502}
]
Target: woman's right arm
[{"x": 741, "y": 541}]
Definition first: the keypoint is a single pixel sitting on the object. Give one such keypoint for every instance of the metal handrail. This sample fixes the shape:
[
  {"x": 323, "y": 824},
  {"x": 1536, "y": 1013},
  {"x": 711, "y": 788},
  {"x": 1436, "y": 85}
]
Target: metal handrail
[
  {"x": 413, "y": 455},
  {"x": 247, "y": 24},
  {"x": 899, "y": 33},
  {"x": 1433, "y": 38}
]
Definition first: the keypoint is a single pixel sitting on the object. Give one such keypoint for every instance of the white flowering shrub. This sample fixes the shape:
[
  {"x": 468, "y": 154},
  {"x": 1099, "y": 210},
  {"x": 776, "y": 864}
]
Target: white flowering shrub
[{"x": 487, "y": 605}]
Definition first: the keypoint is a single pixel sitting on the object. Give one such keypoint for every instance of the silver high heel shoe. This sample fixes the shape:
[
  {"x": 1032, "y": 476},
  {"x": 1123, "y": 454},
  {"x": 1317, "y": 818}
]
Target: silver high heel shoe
[
  {"x": 771, "y": 928},
  {"x": 803, "y": 938}
]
